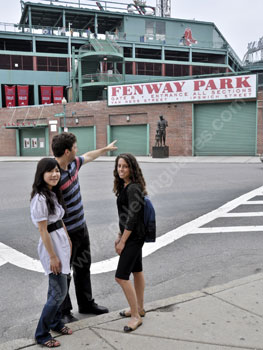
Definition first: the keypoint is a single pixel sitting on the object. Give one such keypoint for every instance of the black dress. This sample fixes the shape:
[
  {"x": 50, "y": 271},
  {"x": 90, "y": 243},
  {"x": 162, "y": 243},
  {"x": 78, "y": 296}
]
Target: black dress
[{"x": 130, "y": 205}]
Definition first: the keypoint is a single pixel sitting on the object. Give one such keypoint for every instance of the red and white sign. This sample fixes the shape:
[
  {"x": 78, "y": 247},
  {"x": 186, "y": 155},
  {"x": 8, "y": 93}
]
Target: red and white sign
[
  {"x": 45, "y": 94},
  {"x": 57, "y": 94},
  {"x": 210, "y": 89},
  {"x": 22, "y": 92},
  {"x": 10, "y": 96}
]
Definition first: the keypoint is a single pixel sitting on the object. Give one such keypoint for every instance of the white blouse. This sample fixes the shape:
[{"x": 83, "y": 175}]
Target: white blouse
[{"x": 39, "y": 212}]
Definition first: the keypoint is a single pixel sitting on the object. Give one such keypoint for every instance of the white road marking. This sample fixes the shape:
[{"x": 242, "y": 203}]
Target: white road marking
[
  {"x": 228, "y": 229},
  {"x": 13, "y": 256},
  {"x": 8, "y": 254},
  {"x": 240, "y": 215},
  {"x": 188, "y": 228},
  {"x": 253, "y": 203}
]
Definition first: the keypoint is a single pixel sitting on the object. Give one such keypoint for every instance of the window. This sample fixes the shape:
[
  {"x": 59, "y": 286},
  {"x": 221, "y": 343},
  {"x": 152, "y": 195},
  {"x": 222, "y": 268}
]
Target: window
[
  {"x": 127, "y": 52},
  {"x": 16, "y": 62},
  {"x": 160, "y": 30},
  {"x": 128, "y": 67},
  {"x": 149, "y": 27},
  {"x": 155, "y": 30},
  {"x": 208, "y": 58},
  {"x": 148, "y": 53},
  {"x": 200, "y": 70},
  {"x": 176, "y": 55},
  {"x": 27, "y": 62},
  {"x": 144, "y": 68},
  {"x": 176, "y": 70},
  {"x": 52, "y": 64},
  {"x": 119, "y": 67},
  {"x": 62, "y": 65},
  {"x": 42, "y": 64},
  {"x": 5, "y": 62}
]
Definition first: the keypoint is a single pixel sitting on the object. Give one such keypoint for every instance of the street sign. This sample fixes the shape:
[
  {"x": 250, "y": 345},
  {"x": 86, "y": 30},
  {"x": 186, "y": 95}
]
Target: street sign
[{"x": 59, "y": 115}]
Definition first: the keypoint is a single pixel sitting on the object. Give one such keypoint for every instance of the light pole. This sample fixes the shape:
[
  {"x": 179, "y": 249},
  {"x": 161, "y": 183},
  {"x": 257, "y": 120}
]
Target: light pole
[
  {"x": 64, "y": 102},
  {"x": 69, "y": 49}
]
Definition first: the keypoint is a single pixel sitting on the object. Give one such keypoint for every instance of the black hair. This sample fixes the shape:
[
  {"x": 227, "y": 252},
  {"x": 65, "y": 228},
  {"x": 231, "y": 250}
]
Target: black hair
[
  {"x": 61, "y": 142},
  {"x": 39, "y": 186},
  {"x": 136, "y": 175}
]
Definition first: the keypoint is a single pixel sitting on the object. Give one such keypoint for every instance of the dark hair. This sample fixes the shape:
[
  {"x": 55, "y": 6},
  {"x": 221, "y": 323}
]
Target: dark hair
[
  {"x": 61, "y": 142},
  {"x": 40, "y": 186},
  {"x": 136, "y": 175}
]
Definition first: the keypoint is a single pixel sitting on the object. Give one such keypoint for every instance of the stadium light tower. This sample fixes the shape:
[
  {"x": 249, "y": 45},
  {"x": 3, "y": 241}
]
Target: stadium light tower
[{"x": 163, "y": 8}]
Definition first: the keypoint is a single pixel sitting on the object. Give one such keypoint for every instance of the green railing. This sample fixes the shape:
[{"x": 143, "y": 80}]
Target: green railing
[
  {"x": 44, "y": 30},
  {"x": 113, "y": 38}
]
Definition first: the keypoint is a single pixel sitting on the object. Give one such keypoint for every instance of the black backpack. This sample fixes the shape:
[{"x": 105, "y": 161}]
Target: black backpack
[{"x": 149, "y": 220}]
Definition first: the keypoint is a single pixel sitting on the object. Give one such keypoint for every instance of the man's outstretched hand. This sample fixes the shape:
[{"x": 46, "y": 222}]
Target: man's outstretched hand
[
  {"x": 91, "y": 155},
  {"x": 111, "y": 146}
]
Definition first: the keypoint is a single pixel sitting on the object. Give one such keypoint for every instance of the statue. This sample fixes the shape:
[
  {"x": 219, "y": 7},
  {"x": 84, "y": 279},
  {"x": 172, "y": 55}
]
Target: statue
[
  {"x": 162, "y": 125},
  {"x": 160, "y": 150},
  {"x": 157, "y": 138}
]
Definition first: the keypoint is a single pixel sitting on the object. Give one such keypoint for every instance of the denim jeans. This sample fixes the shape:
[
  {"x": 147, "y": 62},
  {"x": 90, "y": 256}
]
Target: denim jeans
[{"x": 51, "y": 315}]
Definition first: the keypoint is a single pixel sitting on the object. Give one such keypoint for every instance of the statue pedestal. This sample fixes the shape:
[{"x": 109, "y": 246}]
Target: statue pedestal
[{"x": 160, "y": 152}]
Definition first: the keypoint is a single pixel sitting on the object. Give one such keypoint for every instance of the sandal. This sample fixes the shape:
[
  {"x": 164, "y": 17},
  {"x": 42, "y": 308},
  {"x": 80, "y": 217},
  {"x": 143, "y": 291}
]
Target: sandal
[
  {"x": 128, "y": 313},
  {"x": 51, "y": 343},
  {"x": 128, "y": 329},
  {"x": 65, "y": 331}
]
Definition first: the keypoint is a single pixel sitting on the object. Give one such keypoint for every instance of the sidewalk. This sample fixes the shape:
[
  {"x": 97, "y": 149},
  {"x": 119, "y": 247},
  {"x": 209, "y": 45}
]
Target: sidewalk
[
  {"x": 223, "y": 317},
  {"x": 145, "y": 159}
]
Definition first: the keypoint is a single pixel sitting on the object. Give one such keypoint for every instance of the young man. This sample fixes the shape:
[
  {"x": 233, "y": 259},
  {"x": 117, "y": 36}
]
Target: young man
[{"x": 64, "y": 147}]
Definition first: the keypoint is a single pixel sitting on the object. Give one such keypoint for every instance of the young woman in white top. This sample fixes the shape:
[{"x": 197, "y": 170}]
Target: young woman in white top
[{"x": 54, "y": 247}]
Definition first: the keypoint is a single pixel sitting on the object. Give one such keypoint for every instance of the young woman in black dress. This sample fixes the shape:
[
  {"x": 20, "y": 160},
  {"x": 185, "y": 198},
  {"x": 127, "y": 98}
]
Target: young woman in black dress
[{"x": 130, "y": 189}]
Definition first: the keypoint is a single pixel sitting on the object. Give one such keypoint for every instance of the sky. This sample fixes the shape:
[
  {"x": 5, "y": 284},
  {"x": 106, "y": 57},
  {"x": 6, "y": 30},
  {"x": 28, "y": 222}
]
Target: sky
[{"x": 240, "y": 21}]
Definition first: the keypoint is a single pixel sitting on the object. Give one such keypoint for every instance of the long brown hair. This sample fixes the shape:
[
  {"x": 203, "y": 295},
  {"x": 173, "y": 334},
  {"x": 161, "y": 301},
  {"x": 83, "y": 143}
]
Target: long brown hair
[{"x": 136, "y": 175}]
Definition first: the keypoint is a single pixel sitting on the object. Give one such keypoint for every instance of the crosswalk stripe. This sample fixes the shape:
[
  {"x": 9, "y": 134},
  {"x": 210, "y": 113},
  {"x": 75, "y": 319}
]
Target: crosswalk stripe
[
  {"x": 227, "y": 229},
  {"x": 253, "y": 203},
  {"x": 237, "y": 215},
  {"x": 10, "y": 255}
]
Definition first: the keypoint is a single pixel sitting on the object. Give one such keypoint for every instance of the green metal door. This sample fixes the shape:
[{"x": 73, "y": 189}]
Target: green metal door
[
  {"x": 85, "y": 138},
  {"x": 32, "y": 142},
  {"x": 131, "y": 139},
  {"x": 225, "y": 129}
]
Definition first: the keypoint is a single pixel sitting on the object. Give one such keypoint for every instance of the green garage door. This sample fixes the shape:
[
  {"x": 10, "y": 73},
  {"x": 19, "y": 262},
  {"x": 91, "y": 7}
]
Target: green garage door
[
  {"x": 131, "y": 139},
  {"x": 225, "y": 129},
  {"x": 85, "y": 138},
  {"x": 32, "y": 142}
]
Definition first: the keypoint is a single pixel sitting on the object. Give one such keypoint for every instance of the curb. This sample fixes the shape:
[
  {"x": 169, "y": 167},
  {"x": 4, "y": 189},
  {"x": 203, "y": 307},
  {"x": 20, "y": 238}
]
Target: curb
[
  {"x": 149, "y": 159},
  {"x": 23, "y": 343}
]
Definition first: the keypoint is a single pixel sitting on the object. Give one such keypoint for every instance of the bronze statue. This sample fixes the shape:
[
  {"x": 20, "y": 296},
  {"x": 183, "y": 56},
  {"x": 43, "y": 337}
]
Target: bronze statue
[
  {"x": 162, "y": 125},
  {"x": 157, "y": 138}
]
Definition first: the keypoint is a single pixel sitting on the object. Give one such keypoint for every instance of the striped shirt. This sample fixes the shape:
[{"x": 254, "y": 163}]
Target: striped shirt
[{"x": 69, "y": 185}]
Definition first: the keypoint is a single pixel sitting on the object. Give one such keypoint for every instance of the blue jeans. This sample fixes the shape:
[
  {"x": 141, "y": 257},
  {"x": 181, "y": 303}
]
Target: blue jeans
[{"x": 51, "y": 315}]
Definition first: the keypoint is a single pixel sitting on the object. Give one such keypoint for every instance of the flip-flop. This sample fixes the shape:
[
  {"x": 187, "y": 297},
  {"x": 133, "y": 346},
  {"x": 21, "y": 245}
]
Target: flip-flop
[
  {"x": 65, "y": 331},
  {"x": 51, "y": 343},
  {"x": 128, "y": 313}
]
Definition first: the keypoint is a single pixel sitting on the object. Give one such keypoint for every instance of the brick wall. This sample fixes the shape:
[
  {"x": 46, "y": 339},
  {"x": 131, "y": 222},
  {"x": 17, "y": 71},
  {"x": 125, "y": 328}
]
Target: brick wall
[
  {"x": 178, "y": 133},
  {"x": 179, "y": 117}
]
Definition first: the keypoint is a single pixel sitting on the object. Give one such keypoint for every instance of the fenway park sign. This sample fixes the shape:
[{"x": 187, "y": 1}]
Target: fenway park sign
[{"x": 224, "y": 88}]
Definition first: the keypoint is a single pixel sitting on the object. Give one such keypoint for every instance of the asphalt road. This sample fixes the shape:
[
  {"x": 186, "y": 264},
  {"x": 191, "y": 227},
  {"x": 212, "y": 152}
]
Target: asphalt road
[{"x": 180, "y": 193}]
